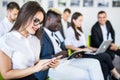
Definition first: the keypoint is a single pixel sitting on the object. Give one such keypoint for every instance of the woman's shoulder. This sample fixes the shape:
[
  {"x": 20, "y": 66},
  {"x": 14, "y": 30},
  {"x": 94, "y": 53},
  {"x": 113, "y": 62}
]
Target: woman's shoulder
[
  {"x": 70, "y": 28},
  {"x": 6, "y": 36},
  {"x": 35, "y": 39},
  {"x": 69, "y": 31}
]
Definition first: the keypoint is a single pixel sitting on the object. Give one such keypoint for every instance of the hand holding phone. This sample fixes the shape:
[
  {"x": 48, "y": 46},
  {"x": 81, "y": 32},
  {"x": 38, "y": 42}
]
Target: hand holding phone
[
  {"x": 41, "y": 65},
  {"x": 55, "y": 61}
]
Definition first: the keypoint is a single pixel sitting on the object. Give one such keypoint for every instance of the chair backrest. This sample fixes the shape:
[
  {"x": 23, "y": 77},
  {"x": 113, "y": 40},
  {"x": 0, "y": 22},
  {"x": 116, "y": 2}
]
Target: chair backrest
[
  {"x": 89, "y": 40},
  {"x": 69, "y": 52},
  {"x": 88, "y": 44},
  {"x": 1, "y": 77}
]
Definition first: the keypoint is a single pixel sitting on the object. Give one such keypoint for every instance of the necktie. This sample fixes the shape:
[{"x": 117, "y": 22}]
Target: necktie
[
  {"x": 56, "y": 38},
  {"x": 56, "y": 43}
]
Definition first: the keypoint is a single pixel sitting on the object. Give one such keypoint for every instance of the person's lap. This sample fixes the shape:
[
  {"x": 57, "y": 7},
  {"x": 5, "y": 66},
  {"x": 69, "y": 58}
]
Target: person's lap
[{"x": 76, "y": 69}]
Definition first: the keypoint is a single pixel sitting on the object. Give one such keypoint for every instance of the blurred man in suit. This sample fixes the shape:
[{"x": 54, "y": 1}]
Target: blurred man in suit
[
  {"x": 64, "y": 21},
  {"x": 102, "y": 30}
]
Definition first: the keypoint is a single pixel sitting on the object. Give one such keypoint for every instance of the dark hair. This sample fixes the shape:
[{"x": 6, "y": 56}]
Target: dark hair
[
  {"x": 75, "y": 16},
  {"x": 27, "y": 12},
  {"x": 13, "y": 5},
  {"x": 67, "y": 10},
  {"x": 52, "y": 14},
  {"x": 101, "y": 12}
]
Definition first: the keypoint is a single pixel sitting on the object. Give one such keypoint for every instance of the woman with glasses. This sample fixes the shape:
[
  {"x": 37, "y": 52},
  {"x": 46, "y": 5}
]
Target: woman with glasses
[{"x": 19, "y": 49}]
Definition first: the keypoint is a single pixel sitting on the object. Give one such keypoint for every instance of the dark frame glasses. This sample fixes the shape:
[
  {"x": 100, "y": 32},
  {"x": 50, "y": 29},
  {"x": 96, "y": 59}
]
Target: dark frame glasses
[{"x": 36, "y": 21}]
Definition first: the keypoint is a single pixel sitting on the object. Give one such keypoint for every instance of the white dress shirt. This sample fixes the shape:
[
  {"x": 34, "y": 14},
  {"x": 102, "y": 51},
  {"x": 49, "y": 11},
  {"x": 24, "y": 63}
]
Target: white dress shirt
[
  {"x": 104, "y": 33},
  {"x": 60, "y": 36},
  {"x": 64, "y": 24},
  {"x": 71, "y": 39},
  {"x": 23, "y": 52},
  {"x": 5, "y": 26},
  {"x": 52, "y": 38}
]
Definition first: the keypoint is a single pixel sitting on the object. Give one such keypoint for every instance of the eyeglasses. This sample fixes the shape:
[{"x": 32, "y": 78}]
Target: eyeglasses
[{"x": 36, "y": 22}]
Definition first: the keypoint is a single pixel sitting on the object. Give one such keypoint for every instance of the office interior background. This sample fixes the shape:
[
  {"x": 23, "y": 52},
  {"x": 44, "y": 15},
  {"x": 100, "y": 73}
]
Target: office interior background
[{"x": 89, "y": 9}]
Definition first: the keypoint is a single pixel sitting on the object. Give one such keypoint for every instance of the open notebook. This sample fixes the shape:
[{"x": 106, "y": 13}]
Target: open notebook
[{"x": 103, "y": 47}]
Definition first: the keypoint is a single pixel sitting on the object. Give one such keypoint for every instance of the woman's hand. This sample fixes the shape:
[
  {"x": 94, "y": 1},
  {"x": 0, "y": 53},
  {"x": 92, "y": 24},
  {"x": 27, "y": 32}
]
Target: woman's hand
[
  {"x": 47, "y": 63},
  {"x": 42, "y": 65},
  {"x": 54, "y": 63}
]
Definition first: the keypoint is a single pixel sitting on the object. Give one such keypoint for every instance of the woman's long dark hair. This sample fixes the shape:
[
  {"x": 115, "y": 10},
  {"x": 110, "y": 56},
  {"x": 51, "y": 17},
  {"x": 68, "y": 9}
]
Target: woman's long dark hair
[
  {"x": 27, "y": 12},
  {"x": 75, "y": 16}
]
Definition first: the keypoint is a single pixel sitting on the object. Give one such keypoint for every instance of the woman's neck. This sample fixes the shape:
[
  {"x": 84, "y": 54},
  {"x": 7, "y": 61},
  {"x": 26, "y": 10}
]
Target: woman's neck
[{"x": 24, "y": 33}]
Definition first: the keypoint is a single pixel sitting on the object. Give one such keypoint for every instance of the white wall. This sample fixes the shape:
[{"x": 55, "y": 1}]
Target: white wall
[{"x": 89, "y": 13}]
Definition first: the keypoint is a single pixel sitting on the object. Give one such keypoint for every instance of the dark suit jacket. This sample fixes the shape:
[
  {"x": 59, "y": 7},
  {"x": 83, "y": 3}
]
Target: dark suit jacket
[
  {"x": 47, "y": 49},
  {"x": 61, "y": 28},
  {"x": 97, "y": 36},
  {"x": 47, "y": 52}
]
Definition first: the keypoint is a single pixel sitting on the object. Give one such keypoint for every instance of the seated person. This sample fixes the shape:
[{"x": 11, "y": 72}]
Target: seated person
[
  {"x": 7, "y": 23},
  {"x": 19, "y": 63},
  {"x": 64, "y": 21},
  {"x": 102, "y": 30},
  {"x": 75, "y": 40},
  {"x": 51, "y": 46}
]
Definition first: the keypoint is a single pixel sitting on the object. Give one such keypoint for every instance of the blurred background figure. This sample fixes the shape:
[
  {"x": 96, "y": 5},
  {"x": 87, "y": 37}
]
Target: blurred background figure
[
  {"x": 64, "y": 21},
  {"x": 101, "y": 31},
  {"x": 7, "y": 23}
]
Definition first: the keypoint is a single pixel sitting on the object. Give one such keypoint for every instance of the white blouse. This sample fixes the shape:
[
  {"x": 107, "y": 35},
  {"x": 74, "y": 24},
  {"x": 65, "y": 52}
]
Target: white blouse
[
  {"x": 71, "y": 39},
  {"x": 24, "y": 52}
]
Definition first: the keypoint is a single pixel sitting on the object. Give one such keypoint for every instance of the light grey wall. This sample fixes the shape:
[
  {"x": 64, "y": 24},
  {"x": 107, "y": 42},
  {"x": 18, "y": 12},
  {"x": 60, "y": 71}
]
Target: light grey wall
[{"x": 89, "y": 13}]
